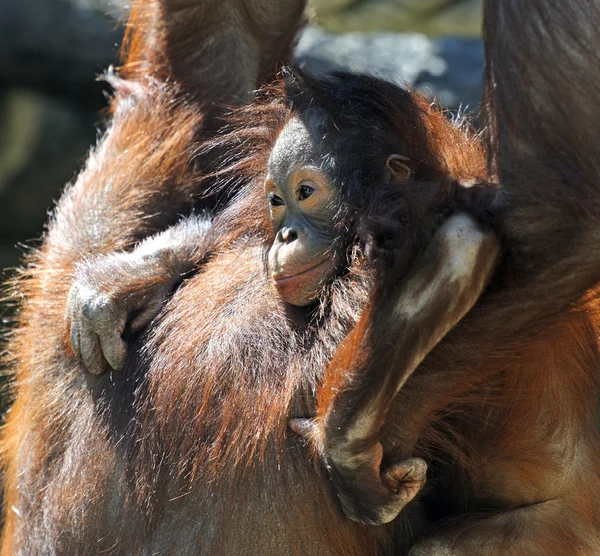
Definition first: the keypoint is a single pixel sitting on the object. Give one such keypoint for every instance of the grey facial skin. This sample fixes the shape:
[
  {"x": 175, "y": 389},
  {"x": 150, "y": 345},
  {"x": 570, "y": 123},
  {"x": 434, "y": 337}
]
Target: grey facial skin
[{"x": 303, "y": 201}]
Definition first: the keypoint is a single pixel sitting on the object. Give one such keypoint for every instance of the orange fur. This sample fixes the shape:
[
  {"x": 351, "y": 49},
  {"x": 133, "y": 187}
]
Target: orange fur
[{"x": 189, "y": 447}]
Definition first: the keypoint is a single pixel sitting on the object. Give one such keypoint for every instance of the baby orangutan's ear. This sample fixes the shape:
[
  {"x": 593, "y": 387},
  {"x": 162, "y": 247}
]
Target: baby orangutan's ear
[{"x": 399, "y": 168}]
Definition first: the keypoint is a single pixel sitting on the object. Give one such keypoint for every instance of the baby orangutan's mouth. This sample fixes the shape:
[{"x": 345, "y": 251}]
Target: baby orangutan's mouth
[{"x": 282, "y": 278}]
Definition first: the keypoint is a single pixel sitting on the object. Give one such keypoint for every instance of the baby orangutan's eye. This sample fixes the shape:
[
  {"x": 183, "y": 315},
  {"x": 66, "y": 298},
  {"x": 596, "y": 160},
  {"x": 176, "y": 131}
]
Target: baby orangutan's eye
[
  {"x": 275, "y": 200},
  {"x": 304, "y": 192}
]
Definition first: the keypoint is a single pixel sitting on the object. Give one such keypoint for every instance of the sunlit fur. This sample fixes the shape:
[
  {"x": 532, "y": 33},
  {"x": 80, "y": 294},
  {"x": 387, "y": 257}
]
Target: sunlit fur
[
  {"x": 189, "y": 446},
  {"x": 212, "y": 403}
]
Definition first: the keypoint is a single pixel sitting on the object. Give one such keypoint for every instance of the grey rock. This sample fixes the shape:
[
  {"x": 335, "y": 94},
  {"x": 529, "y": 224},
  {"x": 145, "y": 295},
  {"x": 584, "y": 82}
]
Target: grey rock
[{"x": 449, "y": 70}]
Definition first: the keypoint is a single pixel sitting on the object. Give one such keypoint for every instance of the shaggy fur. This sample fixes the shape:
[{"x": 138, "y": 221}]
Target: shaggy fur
[{"x": 188, "y": 452}]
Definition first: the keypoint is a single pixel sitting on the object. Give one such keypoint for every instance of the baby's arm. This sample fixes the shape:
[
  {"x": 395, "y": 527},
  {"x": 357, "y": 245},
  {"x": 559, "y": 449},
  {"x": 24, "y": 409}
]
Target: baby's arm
[{"x": 121, "y": 293}]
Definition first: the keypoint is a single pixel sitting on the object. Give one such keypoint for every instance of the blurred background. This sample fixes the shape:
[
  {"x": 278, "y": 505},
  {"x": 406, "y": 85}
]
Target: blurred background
[{"x": 52, "y": 51}]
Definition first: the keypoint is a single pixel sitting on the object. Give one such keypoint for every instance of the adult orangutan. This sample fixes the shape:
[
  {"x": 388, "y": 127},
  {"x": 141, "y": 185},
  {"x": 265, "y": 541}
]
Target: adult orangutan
[{"x": 351, "y": 247}]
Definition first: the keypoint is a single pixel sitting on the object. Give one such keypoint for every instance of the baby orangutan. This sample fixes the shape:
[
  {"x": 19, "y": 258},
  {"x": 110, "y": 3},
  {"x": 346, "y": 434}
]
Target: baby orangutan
[
  {"x": 343, "y": 247},
  {"x": 313, "y": 207}
]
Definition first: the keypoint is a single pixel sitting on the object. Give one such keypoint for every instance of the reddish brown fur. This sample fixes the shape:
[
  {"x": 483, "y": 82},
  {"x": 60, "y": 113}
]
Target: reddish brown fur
[
  {"x": 354, "y": 353},
  {"x": 217, "y": 52},
  {"x": 237, "y": 458},
  {"x": 188, "y": 448}
]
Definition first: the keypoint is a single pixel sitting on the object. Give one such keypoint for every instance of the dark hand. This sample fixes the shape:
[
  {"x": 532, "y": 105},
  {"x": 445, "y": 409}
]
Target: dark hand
[
  {"x": 368, "y": 494},
  {"x": 110, "y": 295}
]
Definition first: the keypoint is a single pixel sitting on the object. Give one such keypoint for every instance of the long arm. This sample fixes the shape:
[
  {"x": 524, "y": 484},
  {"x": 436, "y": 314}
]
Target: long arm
[
  {"x": 115, "y": 296},
  {"x": 218, "y": 51},
  {"x": 541, "y": 110},
  {"x": 406, "y": 320}
]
